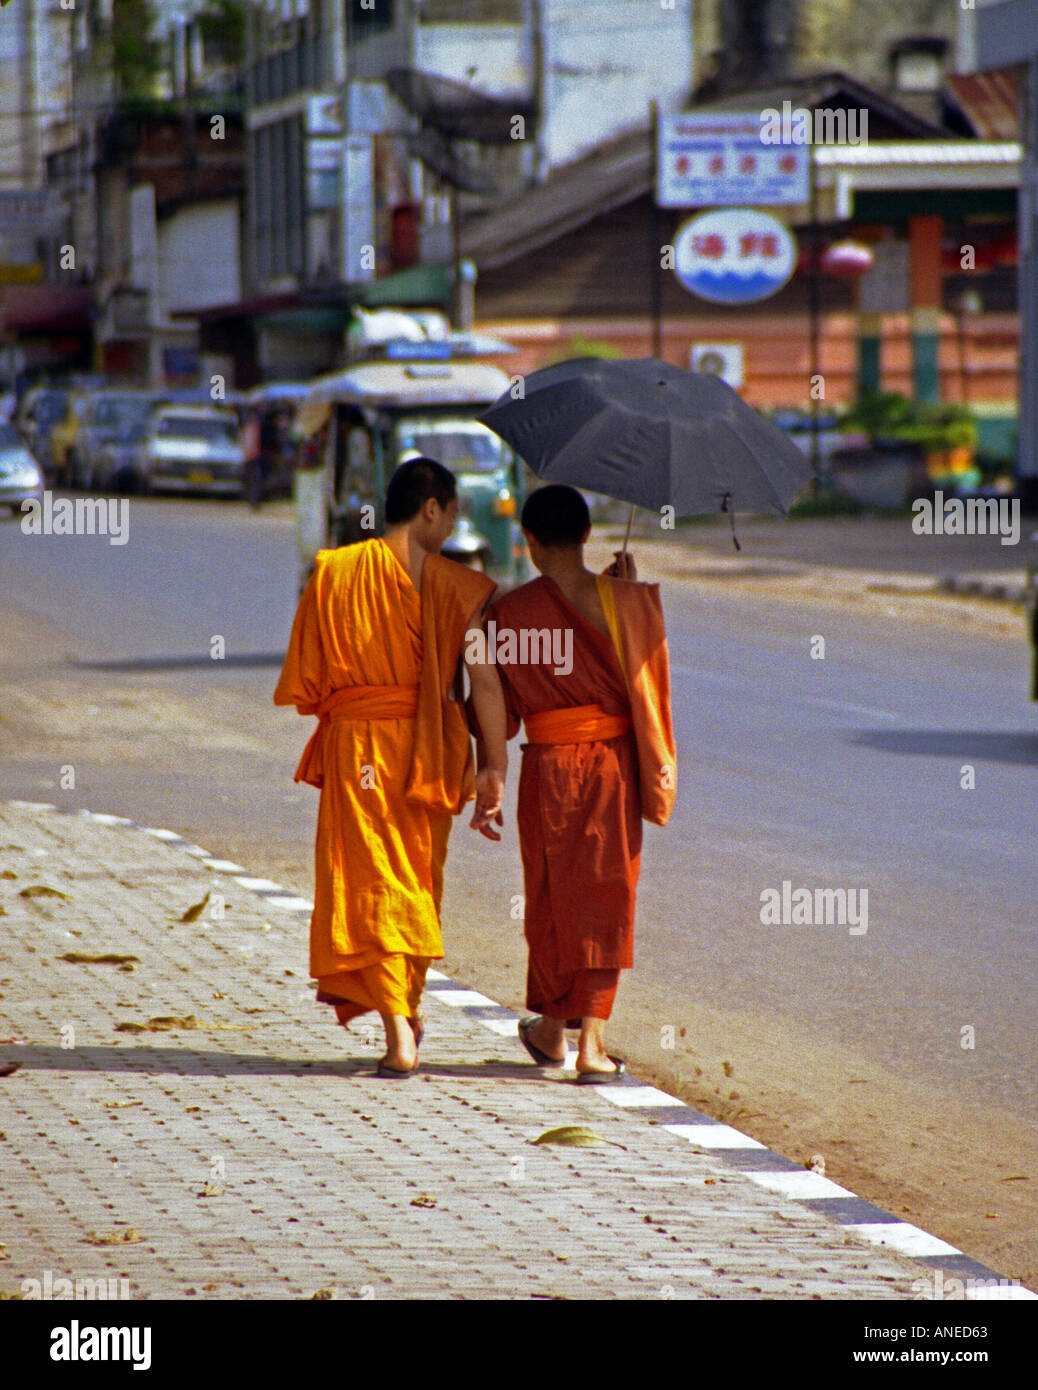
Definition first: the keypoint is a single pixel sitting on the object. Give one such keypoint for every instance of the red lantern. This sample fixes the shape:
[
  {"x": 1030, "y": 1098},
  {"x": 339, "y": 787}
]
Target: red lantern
[{"x": 847, "y": 259}]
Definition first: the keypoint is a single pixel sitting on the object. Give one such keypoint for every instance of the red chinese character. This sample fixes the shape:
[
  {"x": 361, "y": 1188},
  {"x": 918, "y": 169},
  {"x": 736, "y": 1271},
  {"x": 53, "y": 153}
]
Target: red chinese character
[
  {"x": 748, "y": 164},
  {"x": 748, "y": 243},
  {"x": 717, "y": 164},
  {"x": 788, "y": 163},
  {"x": 681, "y": 164},
  {"x": 769, "y": 245},
  {"x": 710, "y": 246}
]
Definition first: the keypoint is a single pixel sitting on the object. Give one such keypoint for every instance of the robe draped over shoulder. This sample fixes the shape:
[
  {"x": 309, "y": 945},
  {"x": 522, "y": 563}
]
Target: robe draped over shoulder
[
  {"x": 377, "y": 662},
  {"x": 635, "y": 617},
  {"x": 584, "y": 790}
]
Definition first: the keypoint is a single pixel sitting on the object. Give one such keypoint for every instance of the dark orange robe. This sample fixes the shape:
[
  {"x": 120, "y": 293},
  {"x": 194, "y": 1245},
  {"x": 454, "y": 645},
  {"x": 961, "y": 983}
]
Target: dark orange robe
[
  {"x": 581, "y": 804},
  {"x": 377, "y": 663}
]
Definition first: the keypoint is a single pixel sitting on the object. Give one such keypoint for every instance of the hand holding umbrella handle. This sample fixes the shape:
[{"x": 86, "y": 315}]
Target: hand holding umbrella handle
[{"x": 623, "y": 566}]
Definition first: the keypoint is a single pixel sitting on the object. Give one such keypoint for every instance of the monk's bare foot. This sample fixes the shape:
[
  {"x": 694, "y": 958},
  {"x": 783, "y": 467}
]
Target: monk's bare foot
[
  {"x": 399, "y": 1061},
  {"x": 594, "y": 1061},
  {"x": 401, "y": 1047},
  {"x": 549, "y": 1034}
]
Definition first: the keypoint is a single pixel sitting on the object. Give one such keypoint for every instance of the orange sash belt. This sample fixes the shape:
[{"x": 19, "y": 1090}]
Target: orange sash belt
[
  {"x": 353, "y": 702},
  {"x": 577, "y": 724}
]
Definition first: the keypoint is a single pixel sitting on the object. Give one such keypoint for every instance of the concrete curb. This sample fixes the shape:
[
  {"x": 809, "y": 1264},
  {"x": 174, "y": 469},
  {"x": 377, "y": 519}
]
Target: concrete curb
[
  {"x": 995, "y": 589},
  {"x": 735, "y": 1150},
  {"x": 988, "y": 586}
]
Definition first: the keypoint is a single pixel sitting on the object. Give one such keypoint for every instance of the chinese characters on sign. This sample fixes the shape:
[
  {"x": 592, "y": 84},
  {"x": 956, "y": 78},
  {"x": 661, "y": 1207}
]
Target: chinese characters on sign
[
  {"x": 722, "y": 161},
  {"x": 734, "y": 255}
]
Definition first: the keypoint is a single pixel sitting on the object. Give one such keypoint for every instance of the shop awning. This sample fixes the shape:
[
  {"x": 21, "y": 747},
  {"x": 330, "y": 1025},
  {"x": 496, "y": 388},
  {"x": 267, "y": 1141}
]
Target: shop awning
[
  {"x": 45, "y": 308},
  {"x": 330, "y": 311},
  {"x": 418, "y": 285}
]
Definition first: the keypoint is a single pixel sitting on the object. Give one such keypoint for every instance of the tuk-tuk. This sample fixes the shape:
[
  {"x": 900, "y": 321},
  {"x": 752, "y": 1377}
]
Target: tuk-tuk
[
  {"x": 357, "y": 425},
  {"x": 270, "y": 409}
]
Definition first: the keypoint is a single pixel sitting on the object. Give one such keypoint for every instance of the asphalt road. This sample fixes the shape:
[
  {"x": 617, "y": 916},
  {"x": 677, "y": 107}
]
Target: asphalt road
[
  {"x": 868, "y": 542},
  {"x": 841, "y": 772},
  {"x": 834, "y": 772}
]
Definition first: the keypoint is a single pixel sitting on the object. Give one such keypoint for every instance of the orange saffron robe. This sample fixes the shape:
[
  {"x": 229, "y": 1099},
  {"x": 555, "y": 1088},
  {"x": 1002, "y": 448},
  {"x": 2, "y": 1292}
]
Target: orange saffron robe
[
  {"x": 581, "y": 803},
  {"x": 377, "y": 662}
]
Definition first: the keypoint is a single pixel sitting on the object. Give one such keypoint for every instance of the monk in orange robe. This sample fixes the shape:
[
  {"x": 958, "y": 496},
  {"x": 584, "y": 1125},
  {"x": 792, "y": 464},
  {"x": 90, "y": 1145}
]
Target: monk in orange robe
[
  {"x": 375, "y": 653},
  {"x": 583, "y": 662}
]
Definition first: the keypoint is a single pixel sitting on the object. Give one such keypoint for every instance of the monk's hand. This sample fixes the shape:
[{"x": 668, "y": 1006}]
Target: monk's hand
[
  {"x": 490, "y": 791},
  {"x": 623, "y": 566}
]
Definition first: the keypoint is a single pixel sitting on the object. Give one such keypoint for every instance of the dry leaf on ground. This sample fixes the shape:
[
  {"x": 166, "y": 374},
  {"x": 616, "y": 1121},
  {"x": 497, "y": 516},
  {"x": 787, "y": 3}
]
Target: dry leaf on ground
[
  {"x": 127, "y": 1237},
  {"x": 163, "y": 1024},
  {"x": 195, "y": 911},
  {"x": 109, "y": 958},
  {"x": 170, "y": 1024},
  {"x": 574, "y": 1136}
]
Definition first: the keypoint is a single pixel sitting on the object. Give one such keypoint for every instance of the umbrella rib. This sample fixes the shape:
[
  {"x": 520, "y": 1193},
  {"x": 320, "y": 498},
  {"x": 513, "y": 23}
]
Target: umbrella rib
[{"x": 763, "y": 472}]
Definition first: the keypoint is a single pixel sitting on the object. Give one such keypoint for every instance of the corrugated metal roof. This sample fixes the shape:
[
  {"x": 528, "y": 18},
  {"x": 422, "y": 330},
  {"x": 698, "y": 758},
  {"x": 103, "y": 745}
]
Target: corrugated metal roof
[
  {"x": 817, "y": 91},
  {"x": 618, "y": 172},
  {"x": 990, "y": 101},
  {"x": 614, "y": 174}
]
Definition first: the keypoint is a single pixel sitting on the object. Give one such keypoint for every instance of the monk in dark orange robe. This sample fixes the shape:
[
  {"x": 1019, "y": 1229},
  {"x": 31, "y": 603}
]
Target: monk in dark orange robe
[
  {"x": 374, "y": 653},
  {"x": 583, "y": 663}
]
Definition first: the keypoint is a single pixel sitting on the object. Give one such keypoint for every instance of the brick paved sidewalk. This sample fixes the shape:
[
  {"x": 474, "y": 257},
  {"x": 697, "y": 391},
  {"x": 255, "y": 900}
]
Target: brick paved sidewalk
[{"x": 251, "y": 1152}]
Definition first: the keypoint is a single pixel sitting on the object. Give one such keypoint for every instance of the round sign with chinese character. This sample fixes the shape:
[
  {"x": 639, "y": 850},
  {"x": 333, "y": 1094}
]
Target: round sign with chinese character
[{"x": 734, "y": 255}]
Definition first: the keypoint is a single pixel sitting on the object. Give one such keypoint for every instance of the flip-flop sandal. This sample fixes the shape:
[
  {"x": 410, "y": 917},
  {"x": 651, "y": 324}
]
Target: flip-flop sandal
[
  {"x": 394, "y": 1073},
  {"x": 602, "y": 1078},
  {"x": 541, "y": 1058}
]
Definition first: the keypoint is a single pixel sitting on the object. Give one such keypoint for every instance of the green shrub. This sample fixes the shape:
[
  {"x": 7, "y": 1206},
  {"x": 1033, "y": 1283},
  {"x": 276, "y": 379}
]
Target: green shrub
[{"x": 887, "y": 415}]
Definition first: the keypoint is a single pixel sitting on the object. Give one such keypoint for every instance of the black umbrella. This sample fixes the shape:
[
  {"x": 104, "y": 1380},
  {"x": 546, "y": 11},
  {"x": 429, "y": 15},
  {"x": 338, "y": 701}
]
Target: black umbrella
[{"x": 647, "y": 433}]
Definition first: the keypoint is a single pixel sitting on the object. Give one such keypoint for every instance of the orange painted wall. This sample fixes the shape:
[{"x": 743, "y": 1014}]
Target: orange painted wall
[{"x": 777, "y": 352}]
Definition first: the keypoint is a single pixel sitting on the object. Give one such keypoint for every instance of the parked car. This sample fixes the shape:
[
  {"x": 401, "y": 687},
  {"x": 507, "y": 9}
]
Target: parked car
[
  {"x": 40, "y": 410},
  {"x": 109, "y": 415},
  {"x": 184, "y": 448},
  {"x": 270, "y": 410},
  {"x": 21, "y": 477}
]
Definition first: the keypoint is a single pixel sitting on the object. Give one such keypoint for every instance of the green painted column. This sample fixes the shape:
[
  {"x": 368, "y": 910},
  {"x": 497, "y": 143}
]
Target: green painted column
[{"x": 870, "y": 345}]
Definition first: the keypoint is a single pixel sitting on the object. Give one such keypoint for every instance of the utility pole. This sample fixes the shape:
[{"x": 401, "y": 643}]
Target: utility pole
[
  {"x": 1007, "y": 35},
  {"x": 655, "y": 233},
  {"x": 190, "y": 134},
  {"x": 814, "y": 293}
]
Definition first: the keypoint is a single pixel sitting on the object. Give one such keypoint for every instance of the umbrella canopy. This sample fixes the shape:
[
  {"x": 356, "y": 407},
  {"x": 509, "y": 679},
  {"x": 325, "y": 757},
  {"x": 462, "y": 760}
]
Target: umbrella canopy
[{"x": 645, "y": 432}]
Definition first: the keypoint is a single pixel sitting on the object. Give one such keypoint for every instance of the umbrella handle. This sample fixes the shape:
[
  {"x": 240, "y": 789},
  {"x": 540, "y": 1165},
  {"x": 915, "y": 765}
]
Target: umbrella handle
[
  {"x": 726, "y": 506},
  {"x": 627, "y": 533}
]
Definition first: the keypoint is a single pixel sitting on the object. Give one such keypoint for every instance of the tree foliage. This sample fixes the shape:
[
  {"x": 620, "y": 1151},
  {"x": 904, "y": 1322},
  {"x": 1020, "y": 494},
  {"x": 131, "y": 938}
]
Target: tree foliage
[
  {"x": 136, "y": 55},
  {"x": 222, "y": 26}
]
